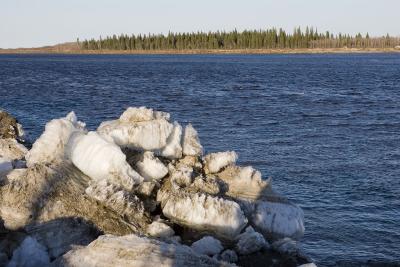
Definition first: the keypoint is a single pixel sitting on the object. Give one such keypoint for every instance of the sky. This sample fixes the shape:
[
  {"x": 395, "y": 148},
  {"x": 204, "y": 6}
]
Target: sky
[{"x": 34, "y": 23}]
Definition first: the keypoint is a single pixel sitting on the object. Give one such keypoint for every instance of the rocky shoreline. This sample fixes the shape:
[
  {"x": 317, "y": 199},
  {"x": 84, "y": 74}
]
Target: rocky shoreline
[{"x": 138, "y": 191}]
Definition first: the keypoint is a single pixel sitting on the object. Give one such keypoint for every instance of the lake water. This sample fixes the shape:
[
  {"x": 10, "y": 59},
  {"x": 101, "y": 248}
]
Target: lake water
[{"x": 325, "y": 127}]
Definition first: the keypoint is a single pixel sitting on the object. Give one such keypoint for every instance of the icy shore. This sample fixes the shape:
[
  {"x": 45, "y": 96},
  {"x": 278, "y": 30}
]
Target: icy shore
[{"x": 136, "y": 191}]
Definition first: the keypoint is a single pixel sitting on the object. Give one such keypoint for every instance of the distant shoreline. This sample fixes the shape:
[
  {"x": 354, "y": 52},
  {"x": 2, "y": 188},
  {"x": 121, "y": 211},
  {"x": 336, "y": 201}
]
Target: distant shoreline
[{"x": 55, "y": 50}]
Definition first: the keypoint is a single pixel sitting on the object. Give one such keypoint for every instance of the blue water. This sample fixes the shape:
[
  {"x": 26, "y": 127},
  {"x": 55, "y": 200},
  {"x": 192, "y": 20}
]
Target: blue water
[{"x": 325, "y": 127}]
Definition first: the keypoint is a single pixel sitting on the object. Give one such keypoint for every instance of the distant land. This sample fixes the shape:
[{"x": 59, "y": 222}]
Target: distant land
[{"x": 269, "y": 41}]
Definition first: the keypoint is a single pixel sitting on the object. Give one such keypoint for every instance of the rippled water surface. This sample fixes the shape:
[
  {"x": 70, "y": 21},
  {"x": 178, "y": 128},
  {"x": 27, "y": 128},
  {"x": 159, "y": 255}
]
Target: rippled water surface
[{"x": 325, "y": 127}]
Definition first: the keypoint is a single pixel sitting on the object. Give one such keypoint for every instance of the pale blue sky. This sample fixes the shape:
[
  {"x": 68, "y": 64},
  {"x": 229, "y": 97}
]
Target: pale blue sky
[{"x": 26, "y": 23}]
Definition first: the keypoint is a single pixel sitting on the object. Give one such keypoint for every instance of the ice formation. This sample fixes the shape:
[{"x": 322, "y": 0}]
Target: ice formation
[
  {"x": 214, "y": 162},
  {"x": 101, "y": 160},
  {"x": 191, "y": 142},
  {"x": 90, "y": 198},
  {"x": 208, "y": 245},
  {"x": 132, "y": 250},
  {"x": 50, "y": 146},
  {"x": 150, "y": 167}
]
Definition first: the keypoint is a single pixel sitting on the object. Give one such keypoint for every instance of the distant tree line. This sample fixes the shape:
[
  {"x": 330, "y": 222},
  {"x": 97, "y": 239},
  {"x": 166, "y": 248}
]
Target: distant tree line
[{"x": 256, "y": 39}]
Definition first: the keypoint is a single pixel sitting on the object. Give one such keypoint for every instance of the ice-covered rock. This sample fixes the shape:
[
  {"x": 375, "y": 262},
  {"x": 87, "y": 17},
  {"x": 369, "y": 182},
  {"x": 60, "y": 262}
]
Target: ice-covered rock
[
  {"x": 181, "y": 175},
  {"x": 202, "y": 212},
  {"x": 150, "y": 167},
  {"x": 250, "y": 241},
  {"x": 278, "y": 220},
  {"x": 49, "y": 148},
  {"x": 229, "y": 256},
  {"x": 29, "y": 254},
  {"x": 135, "y": 251},
  {"x": 191, "y": 142},
  {"x": 208, "y": 245},
  {"x": 101, "y": 160},
  {"x": 312, "y": 264},
  {"x": 160, "y": 229},
  {"x": 214, "y": 162}
]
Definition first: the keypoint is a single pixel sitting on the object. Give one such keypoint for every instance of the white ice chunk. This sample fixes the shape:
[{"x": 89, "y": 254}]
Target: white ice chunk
[
  {"x": 145, "y": 135},
  {"x": 150, "y": 167},
  {"x": 101, "y": 160},
  {"x": 278, "y": 219},
  {"x": 132, "y": 250},
  {"x": 173, "y": 148},
  {"x": 250, "y": 241},
  {"x": 308, "y": 265},
  {"x": 214, "y": 162},
  {"x": 49, "y": 147},
  {"x": 134, "y": 114},
  {"x": 199, "y": 211},
  {"x": 29, "y": 254},
  {"x": 159, "y": 229},
  {"x": 208, "y": 245},
  {"x": 191, "y": 142}
]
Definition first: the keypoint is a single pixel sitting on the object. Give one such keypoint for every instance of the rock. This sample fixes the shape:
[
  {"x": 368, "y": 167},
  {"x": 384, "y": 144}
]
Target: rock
[
  {"x": 132, "y": 250},
  {"x": 49, "y": 148},
  {"x": 229, "y": 256},
  {"x": 150, "y": 167},
  {"x": 286, "y": 246},
  {"x": 191, "y": 142},
  {"x": 9, "y": 127},
  {"x": 160, "y": 229},
  {"x": 214, "y": 162},
  {"x": 250, "y": 242},
  {"x": 60, "y": 235},
  {"x": 29, "y": 254},
  {"x": 101, "y": 160},
  {"x": 208, "y": 245}
]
